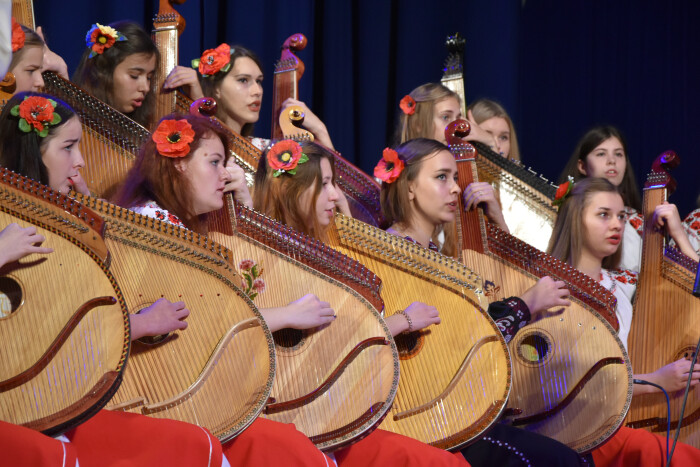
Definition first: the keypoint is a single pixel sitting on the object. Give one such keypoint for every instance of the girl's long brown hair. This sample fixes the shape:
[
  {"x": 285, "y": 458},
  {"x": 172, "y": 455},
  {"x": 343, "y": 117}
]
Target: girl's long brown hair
[
  {"x": 156, "y": 178},
  {"x": 279, "y": 197}
]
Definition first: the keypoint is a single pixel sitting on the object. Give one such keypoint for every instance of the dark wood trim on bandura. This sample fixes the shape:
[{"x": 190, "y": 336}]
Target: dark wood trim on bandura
[
  {"x": 82, "y": 409},
  {"x": 572, "y": 395},
  {"x": 45, "y": 359},
  {"x": 313, "y": 395}
]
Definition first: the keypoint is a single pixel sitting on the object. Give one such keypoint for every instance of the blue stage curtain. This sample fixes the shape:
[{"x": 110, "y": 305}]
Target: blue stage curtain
[{"x": 558, "y": 67}]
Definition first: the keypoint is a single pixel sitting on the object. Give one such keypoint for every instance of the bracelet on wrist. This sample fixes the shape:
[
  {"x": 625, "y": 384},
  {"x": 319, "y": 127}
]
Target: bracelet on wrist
[{"x": 408, "y": 319}]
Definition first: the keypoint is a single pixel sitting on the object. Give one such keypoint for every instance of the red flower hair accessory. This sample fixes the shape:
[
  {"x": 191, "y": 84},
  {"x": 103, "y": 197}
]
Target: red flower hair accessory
[
  {"x": 214, "y": 60},
  {"x": 408, "y": 105},
  {"x": 389, "y": 167},
  {"x": 101, "y": 37},
  {"x": 18, "y": 36},
  {"x": 563, "y": 191},
  {"x": 284, "y": 157},
  {"x": 173, "y": 138},
  {"x": 36, "y": 113}
]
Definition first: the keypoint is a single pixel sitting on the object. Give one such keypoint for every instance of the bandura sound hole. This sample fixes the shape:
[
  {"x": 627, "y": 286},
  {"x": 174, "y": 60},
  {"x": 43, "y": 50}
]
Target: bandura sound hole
[
  {"x": 409, "y": 344},
  {"x": 10, "y": 296},
  {"x": 534, "y": 348},
  {"x": 288, "y": 338}
]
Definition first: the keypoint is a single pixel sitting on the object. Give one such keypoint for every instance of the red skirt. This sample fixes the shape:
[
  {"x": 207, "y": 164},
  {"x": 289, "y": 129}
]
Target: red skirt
[
  {"x": 630, "y": 447},
  {"x": 22, "y": 446},
  {"x": 387, "y": 448},
  {"x": 266, "y": 442},
  {"x": 127, "y": 439}
]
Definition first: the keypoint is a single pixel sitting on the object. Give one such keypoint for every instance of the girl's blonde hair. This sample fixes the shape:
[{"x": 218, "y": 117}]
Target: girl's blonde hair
[
  {"x": 420, "y": 123},
  {"x": 483, "y": 109}
]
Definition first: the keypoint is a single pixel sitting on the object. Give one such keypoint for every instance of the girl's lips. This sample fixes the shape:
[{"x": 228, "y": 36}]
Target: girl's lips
[
  {"x": 137, "y": 102},
  {"x": 452, "y": 206},
  {"x": 615, "y": 239},
  {"x": 255, "y": 106}
]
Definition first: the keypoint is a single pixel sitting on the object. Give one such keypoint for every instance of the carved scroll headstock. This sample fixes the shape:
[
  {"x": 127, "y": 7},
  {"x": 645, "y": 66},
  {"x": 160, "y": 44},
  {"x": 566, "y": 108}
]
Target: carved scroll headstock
[
  {"x": 290, "y": 120},
  {"x": 7, "y": 86},
  {"x": 203, "y": 107},
  {"x": 659, "y": 177},
  {"x": 288, "y": 61},
  {"x": 455, "y": 133},
  {"x": 453, "y": 62},
  {"x": 167, "y": 16}
]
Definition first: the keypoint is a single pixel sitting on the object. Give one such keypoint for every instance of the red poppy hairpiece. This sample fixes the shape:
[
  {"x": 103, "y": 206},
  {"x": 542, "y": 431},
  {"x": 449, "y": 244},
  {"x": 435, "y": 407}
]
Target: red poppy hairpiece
[
  {"x": 173, "y": 138},
  {"x": 99, "y": 38},
  {"x": 563, "y": 191},
  {"x": 18, "y": 36},
  {"x": 389, "y": 167},
  {"x": 36, "y": 113},
  {"x": 215, "y": 60},
  {"x": 408, "y": 105},
  {"x": 284, "y": 157}
]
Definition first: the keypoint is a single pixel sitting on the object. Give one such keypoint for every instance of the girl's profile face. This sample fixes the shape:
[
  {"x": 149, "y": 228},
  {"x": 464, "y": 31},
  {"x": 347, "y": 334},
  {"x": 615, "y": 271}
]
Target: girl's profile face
[
  {"x": 324, "y": 209},
  {"x": 132, "y": 82},
  {"x": 445, "y": 112},
  {"x": 607, "y": 160},
  {"x": 28, "y": 70},
  {"x": 434, "y": 193},
  {"x": 603, "y": 223},
  {"x": 207, "y": 175},
  {"x": 61, "y": 155},
  {"x": 240, "y": 92},
  {"x": 498, "y": 127}
]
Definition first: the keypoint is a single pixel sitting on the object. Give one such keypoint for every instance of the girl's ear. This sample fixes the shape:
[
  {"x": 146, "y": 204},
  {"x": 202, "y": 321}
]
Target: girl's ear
[
  {"x": 180, "y": 165},
  {"x": 411, "y": 191},
  {"x": 582, "y": 168}
]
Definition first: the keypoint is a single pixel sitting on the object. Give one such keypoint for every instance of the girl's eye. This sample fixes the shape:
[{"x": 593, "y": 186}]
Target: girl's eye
[
  {"x": 243, "y": 80},
  {"x": 622, "y": 217},
  {"x": 504, "y": 138},
  {"x": 259, "y": 81},
  {"x": 603, "y": 214},
  {"x": 620, "y": 154},
  {"x": 600, "y": 154},
  {"x": 442, "y": 177},
  {"x": 69, "y": 147}
]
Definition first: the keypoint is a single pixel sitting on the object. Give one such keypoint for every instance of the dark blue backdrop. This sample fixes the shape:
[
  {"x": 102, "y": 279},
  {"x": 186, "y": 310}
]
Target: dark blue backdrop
[{"x": 558, "y": 67}]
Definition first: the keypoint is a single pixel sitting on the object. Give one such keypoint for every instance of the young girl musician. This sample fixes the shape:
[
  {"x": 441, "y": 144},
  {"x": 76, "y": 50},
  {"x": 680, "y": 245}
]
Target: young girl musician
[{"x": 588, "y": 234}]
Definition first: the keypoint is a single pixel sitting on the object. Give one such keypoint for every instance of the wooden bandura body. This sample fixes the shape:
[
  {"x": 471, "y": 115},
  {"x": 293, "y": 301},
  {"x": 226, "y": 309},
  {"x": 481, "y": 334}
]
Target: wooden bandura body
[
  {"x": 666, "y": 324},
  {"x": 219, "y": 371},
  {"x": 334, "y": 383},
  {"x": 525, "y": 197},
  {"x": 110, "y": 141},
  {"x": 168, "y": 24},
  {"x": 64, "y": 327},
  {"x": 572, "y": 380},
  {"x": 455, "y": 377},
  {"x": 453, "y": 72},
  {"x": 288, "y": 71}
]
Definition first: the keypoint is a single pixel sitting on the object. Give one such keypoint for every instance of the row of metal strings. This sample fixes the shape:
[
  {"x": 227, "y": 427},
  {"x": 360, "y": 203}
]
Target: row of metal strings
[
  {"x": 665, "y": 314},
  {"x": 307, "y": 360},
  {"x": 218, "y": 372},
  {"x": 454, "y": 377},
  {"x": 41, "y": 307}
]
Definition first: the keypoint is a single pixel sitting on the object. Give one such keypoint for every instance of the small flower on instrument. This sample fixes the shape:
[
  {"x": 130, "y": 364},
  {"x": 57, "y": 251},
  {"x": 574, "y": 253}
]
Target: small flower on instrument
[
  {"x": 252, "y": 282},
  {"x": 284, "y": 157},
  {"x": 389, "y": 167},
  {"x": 246, "y": 264},
  {"x": 36, "y": 113},
  {"x": 173, "y": 138},
  {"x": 215, "y": 60},
  {"x": 259, "y": 285},
  {"x": 99, "y": 38},
  {"x": 408, "y": 105},
  {"x": 563, "y": 191},
  {"x": 18, "y": 36}
]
